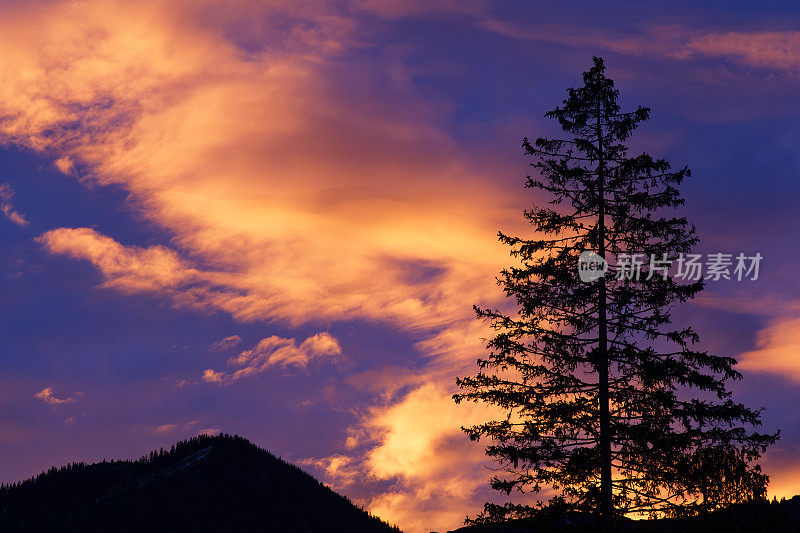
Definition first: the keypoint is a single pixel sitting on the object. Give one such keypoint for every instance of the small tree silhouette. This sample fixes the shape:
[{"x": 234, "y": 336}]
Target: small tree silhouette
[{"x": 605, "y": 402}]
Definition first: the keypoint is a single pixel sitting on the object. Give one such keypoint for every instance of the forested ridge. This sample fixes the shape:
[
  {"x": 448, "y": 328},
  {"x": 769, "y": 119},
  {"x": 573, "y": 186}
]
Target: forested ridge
[{"x": 204, "y": 484}]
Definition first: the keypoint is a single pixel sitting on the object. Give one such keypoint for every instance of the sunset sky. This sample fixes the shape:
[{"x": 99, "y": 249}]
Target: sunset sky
[{"x": 273, "y": 218}]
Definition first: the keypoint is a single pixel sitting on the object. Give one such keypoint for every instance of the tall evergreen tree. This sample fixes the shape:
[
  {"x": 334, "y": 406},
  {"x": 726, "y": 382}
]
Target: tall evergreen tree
[{"x": 606, "y": 402}]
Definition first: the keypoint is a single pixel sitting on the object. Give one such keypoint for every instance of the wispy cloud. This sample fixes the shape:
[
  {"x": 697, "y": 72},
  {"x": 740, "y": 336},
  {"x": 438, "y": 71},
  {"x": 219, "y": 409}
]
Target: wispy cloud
[
  {"x": 776, "y": 50},
  {"x": 125, "y": 268},
  {"x": 228, "y": 343},
  {"x": 169, "y": 428},
  {"x": 7, "y": 207},
  {"x": 278, "y": 352},
  {"x": 777, "y": 349}
]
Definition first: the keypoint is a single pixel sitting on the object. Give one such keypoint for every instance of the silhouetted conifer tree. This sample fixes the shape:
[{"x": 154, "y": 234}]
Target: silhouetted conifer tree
[{"x": 605, "y": 401}]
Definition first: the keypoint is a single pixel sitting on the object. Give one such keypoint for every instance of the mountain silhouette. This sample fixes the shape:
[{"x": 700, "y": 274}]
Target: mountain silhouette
[{"x": 202, "y": 485}]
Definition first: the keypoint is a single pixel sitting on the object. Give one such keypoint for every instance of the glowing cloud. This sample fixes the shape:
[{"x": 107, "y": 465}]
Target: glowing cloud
[
  {"x": 277, "y": 352},
  {"x": 48, "y": 397},
  {"x": 776, "y": 350},
  {"x": 129, "y": 269},
  {"x": 434, "y": 471}
]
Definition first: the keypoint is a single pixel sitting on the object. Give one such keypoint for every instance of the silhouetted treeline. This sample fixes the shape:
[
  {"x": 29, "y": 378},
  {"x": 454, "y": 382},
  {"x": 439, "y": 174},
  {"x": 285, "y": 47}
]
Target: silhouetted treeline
[
  {"x": 754, "y": 517},
  {"x": 204, "y": 484}
]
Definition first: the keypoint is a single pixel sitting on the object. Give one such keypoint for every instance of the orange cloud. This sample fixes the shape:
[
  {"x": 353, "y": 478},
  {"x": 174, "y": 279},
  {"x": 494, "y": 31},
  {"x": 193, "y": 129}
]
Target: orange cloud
[
  {"x": 337, "y": 468},
  {"x": 126, "y": 268},
  {"x": 65, "y": 165},
  {"x": 225, "y": 344},
  {"x": 416, "y": 444},
  {"x": 48, "y": 397},
  {"x": 278, "y": 352},
  {"x": 215, "y": 147},
  {"x": 169, "y": 428},
  {"x": 777, "y": 350},
  {"x": 778, "y": 50}
]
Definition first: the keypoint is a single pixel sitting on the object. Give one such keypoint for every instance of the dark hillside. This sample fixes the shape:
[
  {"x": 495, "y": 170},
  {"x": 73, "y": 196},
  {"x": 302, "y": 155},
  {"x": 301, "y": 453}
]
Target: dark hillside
[{"x": 205, "y": 484}]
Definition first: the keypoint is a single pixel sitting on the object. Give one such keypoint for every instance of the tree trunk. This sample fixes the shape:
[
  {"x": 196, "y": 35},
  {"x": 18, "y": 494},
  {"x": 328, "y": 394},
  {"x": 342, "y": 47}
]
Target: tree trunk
[{"x": 606, "y": 503}]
